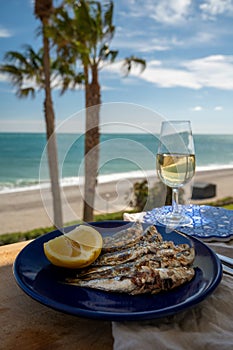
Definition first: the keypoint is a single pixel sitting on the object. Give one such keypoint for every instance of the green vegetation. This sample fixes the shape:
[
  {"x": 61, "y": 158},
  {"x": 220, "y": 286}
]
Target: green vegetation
[
  {"x": 15, "y": 237},
  {"x": 146, "y": 198},
  {"x": 226, "y": 202},
  {"x": 230, "y": 206}
]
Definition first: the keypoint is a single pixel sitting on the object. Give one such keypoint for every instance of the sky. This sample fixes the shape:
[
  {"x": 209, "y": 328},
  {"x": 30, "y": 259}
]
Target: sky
[{"x": 188, "y": 47}]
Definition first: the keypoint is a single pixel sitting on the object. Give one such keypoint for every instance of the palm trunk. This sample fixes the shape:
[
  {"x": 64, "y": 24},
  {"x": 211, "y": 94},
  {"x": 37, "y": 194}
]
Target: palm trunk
[
  {"x": 51, "y": 139},
  {"x": 92, "y": 139}
]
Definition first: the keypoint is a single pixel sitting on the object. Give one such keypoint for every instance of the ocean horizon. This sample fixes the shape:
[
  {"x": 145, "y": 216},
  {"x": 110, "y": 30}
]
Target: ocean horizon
[{"x": 24, "y": 167}]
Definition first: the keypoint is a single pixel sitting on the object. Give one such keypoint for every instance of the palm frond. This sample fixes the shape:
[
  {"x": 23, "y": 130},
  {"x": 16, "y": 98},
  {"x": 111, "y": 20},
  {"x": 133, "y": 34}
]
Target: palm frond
[
  {"x": 16, "y": 57},
  {"x": 108, "y": 16},
  {"x": 26, "y": 92},
  {"x": 107, "y": 54},
  {"x": 131, "y": 61},
  {"x": 24, "y": 69},
  {"x": 15, "y": 74},
  {"x": 81, "y": 31}
]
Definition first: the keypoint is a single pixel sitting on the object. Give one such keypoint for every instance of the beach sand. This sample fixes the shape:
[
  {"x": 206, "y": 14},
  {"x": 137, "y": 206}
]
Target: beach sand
[{"x": 27, "y": 210}]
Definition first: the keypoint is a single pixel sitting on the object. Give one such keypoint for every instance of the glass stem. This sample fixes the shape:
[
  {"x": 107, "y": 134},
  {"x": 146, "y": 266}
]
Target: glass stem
[{"x": 175, "y": 202}]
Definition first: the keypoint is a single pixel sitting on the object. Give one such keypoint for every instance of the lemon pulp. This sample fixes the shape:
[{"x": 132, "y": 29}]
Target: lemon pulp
[{"x": 76, "y": 249}]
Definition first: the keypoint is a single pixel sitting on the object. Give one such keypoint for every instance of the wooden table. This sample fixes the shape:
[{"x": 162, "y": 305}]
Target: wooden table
[{"x": 26, "y": 324}]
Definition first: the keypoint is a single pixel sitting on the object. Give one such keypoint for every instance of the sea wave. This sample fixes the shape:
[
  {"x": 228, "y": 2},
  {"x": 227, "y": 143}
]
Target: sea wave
[
  {"x": 215, "y": 167},
  {"x": 32, "y": 184}
]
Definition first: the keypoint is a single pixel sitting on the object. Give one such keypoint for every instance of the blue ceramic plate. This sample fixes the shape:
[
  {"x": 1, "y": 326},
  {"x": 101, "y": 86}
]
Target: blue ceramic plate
[
  {"x": 44, "y": 283},
  {"x": 208, "y": 223}
]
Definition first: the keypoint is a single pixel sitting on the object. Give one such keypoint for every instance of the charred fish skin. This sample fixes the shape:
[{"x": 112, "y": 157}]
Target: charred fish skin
[
  {"x": 157, "y": 261},
  {"x": 120, "y": 256},
  {"x": 145, "y": 280},
  {"x": 162, "y": 250},
  {"x": 125, "y": 269},
  {"x": 117, "y": 285},
  {"x": 122, "y": 238},
  {"x": 163, "y": 279},
  {"x": 119, "y": 269},
  {"x": 149, "y": 265},
  {"x": 130, "y": 237},
  {"x": 148, "y": 240}
]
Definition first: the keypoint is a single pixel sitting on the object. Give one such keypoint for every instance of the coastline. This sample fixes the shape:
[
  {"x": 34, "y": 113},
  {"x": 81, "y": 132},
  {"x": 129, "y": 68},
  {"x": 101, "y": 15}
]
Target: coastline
[{"x": 24, "y": 210}]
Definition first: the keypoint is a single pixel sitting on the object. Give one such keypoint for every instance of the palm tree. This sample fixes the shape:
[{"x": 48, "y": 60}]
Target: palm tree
[
  {"x": 43, "y": 10},
  {"x": 31, "y": 70},
  {"x": 82, "y": 32}
]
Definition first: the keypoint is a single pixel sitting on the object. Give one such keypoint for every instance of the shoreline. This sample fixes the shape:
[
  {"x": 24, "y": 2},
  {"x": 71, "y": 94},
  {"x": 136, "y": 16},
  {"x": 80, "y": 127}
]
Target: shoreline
[
  {"x": 24, "y": 210},
  {"x": 108, "y": 178}
]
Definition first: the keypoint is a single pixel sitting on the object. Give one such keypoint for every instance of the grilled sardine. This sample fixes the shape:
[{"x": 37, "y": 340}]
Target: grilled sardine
[{"x": 145, "y": 263}]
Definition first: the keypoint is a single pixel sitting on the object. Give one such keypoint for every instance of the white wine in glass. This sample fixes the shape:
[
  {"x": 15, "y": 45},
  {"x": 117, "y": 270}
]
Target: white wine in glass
[{"x": 175, "y": 164}]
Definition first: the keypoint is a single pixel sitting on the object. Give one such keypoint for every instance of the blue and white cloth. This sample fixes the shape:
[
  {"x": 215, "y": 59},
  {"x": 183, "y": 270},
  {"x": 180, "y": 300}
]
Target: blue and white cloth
[{"x": 208, "y": 223}]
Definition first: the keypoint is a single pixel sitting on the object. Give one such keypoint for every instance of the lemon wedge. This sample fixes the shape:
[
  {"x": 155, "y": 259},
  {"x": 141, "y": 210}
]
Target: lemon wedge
[{"x": 76, "y": 249}]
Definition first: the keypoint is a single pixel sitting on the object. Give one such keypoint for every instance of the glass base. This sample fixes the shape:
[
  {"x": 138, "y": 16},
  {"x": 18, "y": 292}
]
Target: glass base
[{"x": 171, "y": 220}]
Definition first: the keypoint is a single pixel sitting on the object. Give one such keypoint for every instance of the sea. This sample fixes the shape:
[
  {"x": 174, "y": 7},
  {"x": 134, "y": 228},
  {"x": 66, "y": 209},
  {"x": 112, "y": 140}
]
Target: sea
[{"x": 23, "y": 158}]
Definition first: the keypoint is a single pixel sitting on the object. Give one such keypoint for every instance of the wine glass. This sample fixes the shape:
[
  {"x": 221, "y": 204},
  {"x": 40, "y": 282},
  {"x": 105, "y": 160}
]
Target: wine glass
[{"x": 175, "y": 164}]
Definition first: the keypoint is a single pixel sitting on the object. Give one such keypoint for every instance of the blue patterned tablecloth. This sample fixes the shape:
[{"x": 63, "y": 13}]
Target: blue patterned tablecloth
[{"x": 208, "y": 223}]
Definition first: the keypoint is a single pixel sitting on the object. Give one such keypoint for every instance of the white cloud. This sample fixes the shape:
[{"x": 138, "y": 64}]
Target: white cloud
[
  {"x": 107, "y": 88},
  {"x": 213, "y": 71},
  {"x": 3, "y": 78},
  {"x": 166, "y": 11},
  {"x": 134, "y": 43},
  {"x": 201, "y": 38},
  {"x": 5, "y": 33},
  {"x": 208, "y": 72},
  {"x": 218, "y": 108},
  {"x": 176, "y": 12},
  {"x": 197, "y": 109},
  {"x": 200, "y": 108},
  {"x": 170, "y": 12},
  {"x": 212, "y": 8},
  {"x": 153, "y": 40},
  {"x": 138, "y": 43},
  {"x": 170, "y": 77},
  {"x": 154, "y": 37}
]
